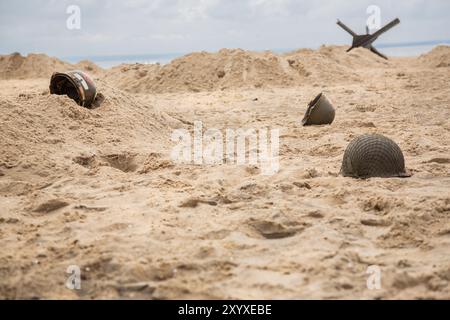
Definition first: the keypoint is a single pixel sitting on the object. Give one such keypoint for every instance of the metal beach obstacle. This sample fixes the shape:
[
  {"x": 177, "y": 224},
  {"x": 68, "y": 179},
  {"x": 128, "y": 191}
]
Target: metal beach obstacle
[{"x": 368, "y": 39}]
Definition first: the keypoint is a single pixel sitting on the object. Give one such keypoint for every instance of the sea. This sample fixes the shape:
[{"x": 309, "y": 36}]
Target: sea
[{"x": 389, "y": 49}]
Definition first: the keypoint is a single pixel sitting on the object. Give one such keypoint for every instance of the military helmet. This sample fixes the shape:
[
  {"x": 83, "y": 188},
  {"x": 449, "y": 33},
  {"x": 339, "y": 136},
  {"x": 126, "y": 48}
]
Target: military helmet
[
  {"x": 320, "y": 111},
  {"x": 75, "y": 84},
  {"x": 373, "y": 155}
]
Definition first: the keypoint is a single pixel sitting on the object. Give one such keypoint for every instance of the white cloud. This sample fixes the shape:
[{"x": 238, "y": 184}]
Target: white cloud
[
  {"x": 270, "y": 7},
  {"x": 190, "y": 10}
]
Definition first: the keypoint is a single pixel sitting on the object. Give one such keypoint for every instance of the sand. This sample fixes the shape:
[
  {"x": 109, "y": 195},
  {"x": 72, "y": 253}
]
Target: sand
[
  {"x": 239, "y": 69},
  {"x": 16, "y": 66},
  {"x": 97, "y": 188}
]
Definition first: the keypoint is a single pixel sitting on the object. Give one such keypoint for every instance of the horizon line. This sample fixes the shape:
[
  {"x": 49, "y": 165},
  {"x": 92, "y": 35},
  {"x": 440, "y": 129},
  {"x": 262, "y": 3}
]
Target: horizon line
[
  {"x": 140, "y": 56},
  {"x": 145, "y": 56}
]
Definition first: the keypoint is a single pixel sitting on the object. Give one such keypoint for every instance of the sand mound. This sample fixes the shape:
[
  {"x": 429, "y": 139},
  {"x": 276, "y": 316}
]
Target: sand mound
[
  {"x": 203, "y": 71},
  {"x": 207, "y": 71},
  {"x": 235, "y": 68},
  {"x": 89, "y": 67},
  {"x": 439, "y": 57},
  {"x": 16, "y": 66},
  {"x": 131, "y": 76},
  {"x": 45, "y": 134},
  {"x": 332, "y": 64}
]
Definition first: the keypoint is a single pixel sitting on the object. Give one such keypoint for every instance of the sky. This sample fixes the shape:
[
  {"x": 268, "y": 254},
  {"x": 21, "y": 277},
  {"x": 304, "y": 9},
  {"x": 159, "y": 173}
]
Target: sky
[{"x": 121, "y": 27}]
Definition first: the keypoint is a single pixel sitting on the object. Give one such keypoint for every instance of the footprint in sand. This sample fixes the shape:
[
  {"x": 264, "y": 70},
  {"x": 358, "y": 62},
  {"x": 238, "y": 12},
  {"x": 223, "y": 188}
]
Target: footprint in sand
[
  {"x": 50, "y": 206},
  {"x": 439, "y": 160},
  {"x": 194, "y": 202},
  {"x": 272, "y": 230},
  {"x": 124, "y": 162}
]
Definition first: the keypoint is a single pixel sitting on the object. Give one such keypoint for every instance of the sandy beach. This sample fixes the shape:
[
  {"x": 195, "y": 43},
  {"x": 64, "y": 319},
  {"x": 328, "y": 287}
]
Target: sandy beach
[{"x": 98, "y": 188}]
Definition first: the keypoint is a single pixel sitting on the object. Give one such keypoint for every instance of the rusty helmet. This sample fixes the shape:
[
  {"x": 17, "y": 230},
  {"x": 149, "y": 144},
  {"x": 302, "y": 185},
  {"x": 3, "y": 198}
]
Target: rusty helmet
[
  {"x": 373, "y": 155},
  {"x": 75, "y": 84}
]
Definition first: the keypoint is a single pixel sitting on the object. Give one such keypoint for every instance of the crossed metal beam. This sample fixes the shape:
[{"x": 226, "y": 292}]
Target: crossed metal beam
[{"x": 367, "y": 40}]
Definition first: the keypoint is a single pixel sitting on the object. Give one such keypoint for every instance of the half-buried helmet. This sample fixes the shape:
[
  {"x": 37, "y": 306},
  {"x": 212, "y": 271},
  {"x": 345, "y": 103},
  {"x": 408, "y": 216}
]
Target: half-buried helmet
[
  {"x": 373, "y": 155},
  {"x": 75, "y": 84}
]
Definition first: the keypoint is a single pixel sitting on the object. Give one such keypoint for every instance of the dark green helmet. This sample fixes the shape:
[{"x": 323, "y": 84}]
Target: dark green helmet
[
  {"x": 373, "y": 155},
  {"x": 320, "y": 111}
]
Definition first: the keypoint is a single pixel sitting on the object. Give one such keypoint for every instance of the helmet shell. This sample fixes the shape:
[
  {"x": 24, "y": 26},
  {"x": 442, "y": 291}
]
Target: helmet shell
[
  {"x": 75, "y": 84},
  {"x": 373, "y": 155},
  {"x": 320, "y": 111}
]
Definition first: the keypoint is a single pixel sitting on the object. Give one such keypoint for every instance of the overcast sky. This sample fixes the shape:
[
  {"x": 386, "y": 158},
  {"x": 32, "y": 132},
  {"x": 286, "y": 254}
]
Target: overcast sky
[{"x": 165, "y": 26}]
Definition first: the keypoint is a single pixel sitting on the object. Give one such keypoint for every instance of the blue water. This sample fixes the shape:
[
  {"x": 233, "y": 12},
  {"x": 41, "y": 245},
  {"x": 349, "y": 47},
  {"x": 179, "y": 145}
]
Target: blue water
[
  {"x": 410, "y": 48},
  {"x": 390, "y": 49}
]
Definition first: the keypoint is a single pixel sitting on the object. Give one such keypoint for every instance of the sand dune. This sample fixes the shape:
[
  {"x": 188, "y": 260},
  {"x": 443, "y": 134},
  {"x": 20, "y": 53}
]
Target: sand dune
[
  {"x": 96, "y": 188},
  {"x": 203, "y": 71},
  {"x": 228, "y": 69},
  {"x": 16, "y": 66},
  {"x": 42, "y": 127},
  {"x": 439, "y": 57}
]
